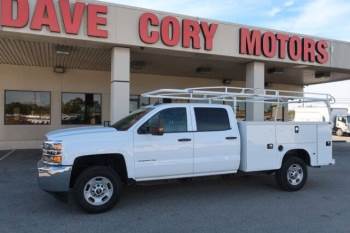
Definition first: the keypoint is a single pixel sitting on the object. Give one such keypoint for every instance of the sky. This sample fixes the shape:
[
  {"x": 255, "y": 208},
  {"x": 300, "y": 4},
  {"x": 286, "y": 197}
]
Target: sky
[{"x": 324, "y": 18}]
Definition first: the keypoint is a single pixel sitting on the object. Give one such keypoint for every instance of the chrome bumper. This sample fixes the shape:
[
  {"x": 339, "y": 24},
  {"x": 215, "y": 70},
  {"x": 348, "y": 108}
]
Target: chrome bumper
[{"x": 54, "y": 178}]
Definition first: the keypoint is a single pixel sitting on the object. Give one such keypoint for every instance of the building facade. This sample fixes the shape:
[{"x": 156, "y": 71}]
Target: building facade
[{"x": 67, "y": 64}]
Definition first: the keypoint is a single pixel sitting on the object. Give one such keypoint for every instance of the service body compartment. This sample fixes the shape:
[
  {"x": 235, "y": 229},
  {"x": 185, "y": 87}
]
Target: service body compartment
[
  {"x": 264, "y": 144},
  {"x": 294, "y": 132},
  {"x": 255, "y": 153},
  {"x": 324, "y": 144}
]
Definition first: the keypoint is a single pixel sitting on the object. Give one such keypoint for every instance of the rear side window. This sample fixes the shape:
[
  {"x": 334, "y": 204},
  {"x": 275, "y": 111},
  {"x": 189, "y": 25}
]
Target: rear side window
[{"x": 212, "y": 119}]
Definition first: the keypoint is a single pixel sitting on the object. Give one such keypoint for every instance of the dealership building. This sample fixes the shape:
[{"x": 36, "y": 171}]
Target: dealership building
[{"x": 74, "y": 63}]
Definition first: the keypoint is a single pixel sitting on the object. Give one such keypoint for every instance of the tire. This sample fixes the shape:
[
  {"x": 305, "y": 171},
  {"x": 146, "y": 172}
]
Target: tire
[
  {"x": 97, "y": 189},
  {"x": 293, "y": 175},
  {"x": 339, "y": 133}
]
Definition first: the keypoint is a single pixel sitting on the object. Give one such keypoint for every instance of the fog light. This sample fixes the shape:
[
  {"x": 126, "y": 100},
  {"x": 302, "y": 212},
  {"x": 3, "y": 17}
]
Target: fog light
[{"x": 56, "y": 159}]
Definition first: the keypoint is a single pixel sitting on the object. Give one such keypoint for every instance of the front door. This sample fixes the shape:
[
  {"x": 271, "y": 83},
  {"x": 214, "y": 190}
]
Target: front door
[{"x": 168, "y": 153}]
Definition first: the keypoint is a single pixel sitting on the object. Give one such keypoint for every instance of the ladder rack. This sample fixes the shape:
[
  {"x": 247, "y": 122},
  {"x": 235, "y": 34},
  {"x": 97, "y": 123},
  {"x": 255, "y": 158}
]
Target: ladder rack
[{"x": 237, "y": 94}]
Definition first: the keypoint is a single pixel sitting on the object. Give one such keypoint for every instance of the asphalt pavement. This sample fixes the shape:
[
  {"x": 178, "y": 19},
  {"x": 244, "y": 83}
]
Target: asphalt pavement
[{"x": 215, "y": 204}]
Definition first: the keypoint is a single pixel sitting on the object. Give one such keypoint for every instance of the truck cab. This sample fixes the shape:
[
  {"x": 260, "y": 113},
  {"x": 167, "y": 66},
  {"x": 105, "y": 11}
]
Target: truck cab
[
  {"x": 342, "y": 125},
  {"x": 186, "y": 140}
]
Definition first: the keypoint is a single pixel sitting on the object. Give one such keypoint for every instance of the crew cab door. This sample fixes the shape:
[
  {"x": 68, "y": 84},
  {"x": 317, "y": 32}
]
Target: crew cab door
[
  {"x": 216, "y": 140},
  {"x": 168, "y": 152}
]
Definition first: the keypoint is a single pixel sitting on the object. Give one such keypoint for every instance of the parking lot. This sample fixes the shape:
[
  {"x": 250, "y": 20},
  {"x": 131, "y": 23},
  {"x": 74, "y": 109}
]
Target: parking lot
[
  {"x": 341, "y": 139},
  {"x": 217, "y": 204}
]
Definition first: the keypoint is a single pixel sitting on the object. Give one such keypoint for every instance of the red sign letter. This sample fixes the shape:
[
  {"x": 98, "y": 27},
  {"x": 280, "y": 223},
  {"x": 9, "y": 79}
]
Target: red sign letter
[
  {"x": 308, "y": 50},
  {"x": 22, "y": 18},
  {"x": 191, "y": 30},
  {"x": 72, "y": 22},
  {"x": 94, "y": 21},
  {"x": 250, "y": 42},
  {"x": 282, "y": 45},
  {"x": 294, "y": 50},
  {"x": 45, "y": 14},
  {"x": 145, "y": 20},
  {"x": 321, "y": 48},
  {"x": 172, "y": 23},
  {"x": 208, "y": 33},
  {"x": 269, "y": 44}
]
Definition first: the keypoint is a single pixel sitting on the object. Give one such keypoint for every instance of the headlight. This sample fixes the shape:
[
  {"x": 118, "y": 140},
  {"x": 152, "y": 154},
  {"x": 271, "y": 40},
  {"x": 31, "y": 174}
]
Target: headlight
[{"x": 52, "y": 152}]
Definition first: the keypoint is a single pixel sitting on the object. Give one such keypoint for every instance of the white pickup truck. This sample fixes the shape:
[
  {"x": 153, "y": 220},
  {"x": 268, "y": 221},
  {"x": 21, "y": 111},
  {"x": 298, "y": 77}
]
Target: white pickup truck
[{"x": 179, "y": 140}]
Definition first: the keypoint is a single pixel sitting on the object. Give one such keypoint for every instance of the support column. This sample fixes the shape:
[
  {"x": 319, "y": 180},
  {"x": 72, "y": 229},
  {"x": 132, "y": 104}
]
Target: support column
[
  {"x": 120, "y": 83},
  {"x": 255, "y": 78}
]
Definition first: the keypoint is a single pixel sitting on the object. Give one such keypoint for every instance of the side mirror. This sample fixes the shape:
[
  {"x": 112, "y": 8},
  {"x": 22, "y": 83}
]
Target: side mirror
[{"x": 157, "y": 131}]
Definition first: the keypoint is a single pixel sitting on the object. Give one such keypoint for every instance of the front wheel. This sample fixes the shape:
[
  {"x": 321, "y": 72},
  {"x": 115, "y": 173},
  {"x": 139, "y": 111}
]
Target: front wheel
[
  {"x": 293, "y": 174},
  {"x": 339, "y": 133},
  {"x": 97, "y": 189}
]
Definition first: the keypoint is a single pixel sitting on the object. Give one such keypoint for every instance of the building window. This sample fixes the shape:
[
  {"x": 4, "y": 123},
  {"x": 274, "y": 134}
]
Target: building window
[
  {"x": 27, "y": 108},
  {"x": 81, "y": 109},
  {"x": 134, "y": 103},
  {"x": 137, "y": 102},
  {"x": 241, "y": 111},
  {"x": 270, "y": 112},
  {"x": 273, "y": 111}
]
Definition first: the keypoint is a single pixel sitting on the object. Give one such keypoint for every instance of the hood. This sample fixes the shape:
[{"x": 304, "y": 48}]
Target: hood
[{"x": 61, "y": 133}]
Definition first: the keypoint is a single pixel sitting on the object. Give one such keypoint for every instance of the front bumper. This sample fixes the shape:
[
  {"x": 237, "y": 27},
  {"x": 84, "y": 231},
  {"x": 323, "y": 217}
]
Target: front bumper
[
  {"x": 333, "y": 162},
  {"x": 54, "y": 178}
]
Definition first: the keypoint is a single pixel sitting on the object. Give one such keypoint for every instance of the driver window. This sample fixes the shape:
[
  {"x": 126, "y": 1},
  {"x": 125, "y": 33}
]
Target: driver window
[{"x": 172, "y": 120}]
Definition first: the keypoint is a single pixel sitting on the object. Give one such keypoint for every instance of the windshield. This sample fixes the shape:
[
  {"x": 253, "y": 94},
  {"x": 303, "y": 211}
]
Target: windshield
[{"x": 129, "y": 121}]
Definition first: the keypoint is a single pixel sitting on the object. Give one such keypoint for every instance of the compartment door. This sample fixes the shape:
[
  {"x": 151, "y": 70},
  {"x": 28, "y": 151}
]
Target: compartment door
[
  {"x": 261, "y": 149},
  {"x": 324, "y": 145},
  {"x": 296, "y": 133}
]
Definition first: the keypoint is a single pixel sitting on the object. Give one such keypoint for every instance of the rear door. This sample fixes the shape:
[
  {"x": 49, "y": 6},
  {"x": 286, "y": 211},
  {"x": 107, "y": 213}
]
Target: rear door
[{"x": 216, "y": 140}]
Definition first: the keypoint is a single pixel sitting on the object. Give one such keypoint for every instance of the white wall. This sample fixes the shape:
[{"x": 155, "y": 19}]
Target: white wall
[
  {"x": 44, "y": 79},
  {"x": 141, "y": 83}
]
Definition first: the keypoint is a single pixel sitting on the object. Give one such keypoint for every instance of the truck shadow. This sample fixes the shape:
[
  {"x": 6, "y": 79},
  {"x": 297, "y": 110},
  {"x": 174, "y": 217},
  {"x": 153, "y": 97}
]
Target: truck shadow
[{"x": 198, "y": 189}]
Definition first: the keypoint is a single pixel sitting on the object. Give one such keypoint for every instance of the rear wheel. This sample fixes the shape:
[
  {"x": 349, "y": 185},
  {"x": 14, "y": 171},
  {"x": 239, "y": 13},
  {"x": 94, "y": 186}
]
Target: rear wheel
[
  {"x": 97, "y": 189},
  {"x": 293, "y": 174},
  {"x": 339, "y": 132}
]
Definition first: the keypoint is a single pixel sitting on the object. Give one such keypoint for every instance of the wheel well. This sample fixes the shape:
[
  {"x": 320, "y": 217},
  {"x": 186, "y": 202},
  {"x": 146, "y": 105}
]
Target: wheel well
[
  {"x": 114, "y": 161},
  {"x": 299, "y": 153}
]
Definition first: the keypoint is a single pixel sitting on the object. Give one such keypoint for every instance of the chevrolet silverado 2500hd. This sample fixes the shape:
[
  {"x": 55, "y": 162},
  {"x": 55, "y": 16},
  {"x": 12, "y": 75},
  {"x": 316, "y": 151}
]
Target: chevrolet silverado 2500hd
[{"x": 178, "y": 140}]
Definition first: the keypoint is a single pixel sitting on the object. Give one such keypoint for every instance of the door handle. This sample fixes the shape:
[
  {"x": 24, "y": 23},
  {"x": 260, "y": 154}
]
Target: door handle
[
  {"x": 184, "y": 140},
  {"x": 231, "y": 138}
]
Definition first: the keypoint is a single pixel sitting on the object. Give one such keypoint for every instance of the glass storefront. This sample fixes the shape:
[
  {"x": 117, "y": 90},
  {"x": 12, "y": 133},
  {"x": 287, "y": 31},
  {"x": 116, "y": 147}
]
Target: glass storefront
[
  {"x": 81, "y": 109},
  {"x": 34, "y": 108},
  {"x": 27, "y": 108},
  {"x": 137, "y": 102}
]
